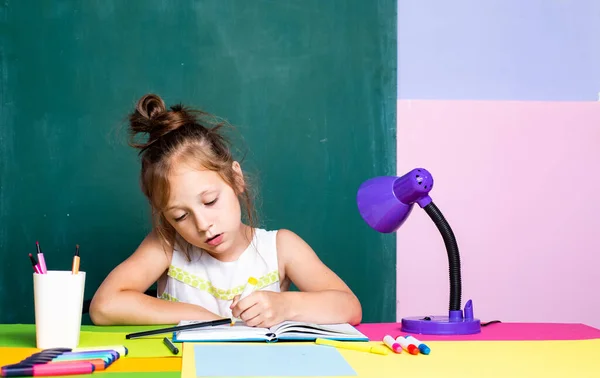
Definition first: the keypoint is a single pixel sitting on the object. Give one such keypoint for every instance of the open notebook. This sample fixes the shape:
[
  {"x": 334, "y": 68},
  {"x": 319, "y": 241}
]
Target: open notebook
[{"x": 287, "y": 330}]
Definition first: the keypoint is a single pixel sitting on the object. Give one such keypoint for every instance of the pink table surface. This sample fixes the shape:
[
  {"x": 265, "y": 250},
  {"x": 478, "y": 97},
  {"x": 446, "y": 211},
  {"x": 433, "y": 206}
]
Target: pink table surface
[{"x": 495, "y": 331}]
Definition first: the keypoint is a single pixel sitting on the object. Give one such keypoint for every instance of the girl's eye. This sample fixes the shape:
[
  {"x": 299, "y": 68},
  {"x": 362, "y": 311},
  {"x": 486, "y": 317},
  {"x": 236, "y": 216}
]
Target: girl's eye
[
  {"x": 211, "y": 202},
  {"x": 179, "y": 219}
]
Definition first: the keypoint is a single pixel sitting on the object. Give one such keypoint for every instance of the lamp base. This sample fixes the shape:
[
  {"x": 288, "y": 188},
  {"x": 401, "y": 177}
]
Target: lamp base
[{"x": 454, "y": 324}]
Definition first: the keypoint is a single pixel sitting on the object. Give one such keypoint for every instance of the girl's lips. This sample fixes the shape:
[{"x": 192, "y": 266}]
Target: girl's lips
[{"x": 215, "y": 240}]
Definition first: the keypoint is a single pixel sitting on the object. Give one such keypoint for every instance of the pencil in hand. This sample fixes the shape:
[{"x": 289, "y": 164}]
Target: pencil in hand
[{"x": 75, "y": 268}]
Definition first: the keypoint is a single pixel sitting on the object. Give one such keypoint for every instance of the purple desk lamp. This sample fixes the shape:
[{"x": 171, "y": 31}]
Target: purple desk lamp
[{"x": 384, "y": 203}]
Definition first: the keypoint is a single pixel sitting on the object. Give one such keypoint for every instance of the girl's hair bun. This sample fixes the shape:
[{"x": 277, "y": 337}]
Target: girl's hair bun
[{"x": 152, "y": 119}]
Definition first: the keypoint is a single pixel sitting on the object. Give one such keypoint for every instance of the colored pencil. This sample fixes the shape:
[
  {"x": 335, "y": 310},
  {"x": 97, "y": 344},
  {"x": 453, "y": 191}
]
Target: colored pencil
[
  {"x": 43, "y": 268},
  {"x": 35, "y": 265},
  {"x": 75, "y": 268}
]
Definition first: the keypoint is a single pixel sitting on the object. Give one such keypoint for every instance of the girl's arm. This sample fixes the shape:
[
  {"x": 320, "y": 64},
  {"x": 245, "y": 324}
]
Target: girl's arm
[
  {"x": 120, "y": 299},
  {"x": 323, "y": 296}
]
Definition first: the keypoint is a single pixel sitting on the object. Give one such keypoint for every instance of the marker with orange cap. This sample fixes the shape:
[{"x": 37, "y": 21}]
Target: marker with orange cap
[
  {"x": 250, "y": 286},
  {"x": 392, "y": 344},
  {"x": 424, "y": 349},
  {"x": 407, "y": 346}
]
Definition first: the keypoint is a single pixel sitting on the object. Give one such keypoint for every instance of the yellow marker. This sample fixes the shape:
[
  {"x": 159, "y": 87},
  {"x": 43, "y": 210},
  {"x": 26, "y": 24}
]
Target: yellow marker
[
  {"x": 250, "y": 286},
  {"x": 360, "y": 347}
]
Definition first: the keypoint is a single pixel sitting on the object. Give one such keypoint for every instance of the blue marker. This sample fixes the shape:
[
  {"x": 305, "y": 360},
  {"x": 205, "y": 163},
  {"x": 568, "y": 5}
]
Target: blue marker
[
  {"x": 424, "y": 349},
  {"x": 108, "y": 356}
]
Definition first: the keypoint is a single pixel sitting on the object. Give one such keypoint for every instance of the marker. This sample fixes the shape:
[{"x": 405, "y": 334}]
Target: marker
[
  {"x": 36, "y": 267},
  {"x": 170, "y": 345},
  {"x": 53, "y": 350},
  {"x": 37, "y": 360},
  {"x": 392, "y": 344},
  {"x": 75, "y": 268},
  {"x": 104, "y": 352},
  {"x": 99, "y": 364},
  {"x": 41, "y": 258},
  {"x": 424, "y": 349},
  {"x": 39, "y": 370},
  {"x": 250, "y": 286},
  {"x": 407, "y": 346},
  {"x": 121, "y": 349},
  {"x": 106, "y": 356},
  {"x": 360, "y": 347}
]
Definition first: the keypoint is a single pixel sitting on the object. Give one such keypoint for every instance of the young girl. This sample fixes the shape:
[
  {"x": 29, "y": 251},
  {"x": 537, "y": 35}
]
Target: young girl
[{"x": 199, "y": 251}]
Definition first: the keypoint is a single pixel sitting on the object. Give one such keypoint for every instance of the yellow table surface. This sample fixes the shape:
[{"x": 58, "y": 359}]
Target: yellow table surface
[{"x": 464, "y": 359}]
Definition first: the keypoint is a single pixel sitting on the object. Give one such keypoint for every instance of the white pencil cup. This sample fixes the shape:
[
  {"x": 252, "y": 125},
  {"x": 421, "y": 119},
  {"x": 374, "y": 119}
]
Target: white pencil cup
[{"x": 58, "y": 299}]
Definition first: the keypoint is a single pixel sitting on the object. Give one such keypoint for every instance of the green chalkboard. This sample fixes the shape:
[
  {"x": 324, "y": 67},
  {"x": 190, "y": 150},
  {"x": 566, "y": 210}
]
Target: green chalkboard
[{"x": 310, "y": 86}]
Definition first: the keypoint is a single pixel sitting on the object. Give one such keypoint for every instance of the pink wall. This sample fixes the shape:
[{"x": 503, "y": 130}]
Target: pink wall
[{"x": 519, "y": 183}]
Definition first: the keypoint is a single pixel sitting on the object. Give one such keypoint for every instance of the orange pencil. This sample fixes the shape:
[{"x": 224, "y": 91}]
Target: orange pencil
[{"x": 75, "y": 268}]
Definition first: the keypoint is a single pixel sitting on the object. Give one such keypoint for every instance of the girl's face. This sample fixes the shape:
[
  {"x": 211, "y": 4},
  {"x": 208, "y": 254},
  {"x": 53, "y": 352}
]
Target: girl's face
[{"x": 205, "y": 211}]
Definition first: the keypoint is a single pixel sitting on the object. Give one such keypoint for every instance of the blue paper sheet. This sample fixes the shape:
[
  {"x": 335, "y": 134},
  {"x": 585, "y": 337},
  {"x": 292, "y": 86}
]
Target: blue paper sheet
[{"x": 268, "y": 360}]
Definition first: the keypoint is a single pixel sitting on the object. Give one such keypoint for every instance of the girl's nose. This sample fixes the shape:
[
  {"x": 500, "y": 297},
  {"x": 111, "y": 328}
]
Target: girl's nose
[{"x": 202, "y": 223}]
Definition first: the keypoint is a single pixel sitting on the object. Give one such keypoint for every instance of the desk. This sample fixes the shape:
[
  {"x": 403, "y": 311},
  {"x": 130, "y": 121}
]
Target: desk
[{"x": 501, "y": 349}]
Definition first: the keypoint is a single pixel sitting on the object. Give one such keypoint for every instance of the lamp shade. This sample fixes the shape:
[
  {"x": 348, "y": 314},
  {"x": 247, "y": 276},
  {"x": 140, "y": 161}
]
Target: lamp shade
[{"x": 385, "y": 202}]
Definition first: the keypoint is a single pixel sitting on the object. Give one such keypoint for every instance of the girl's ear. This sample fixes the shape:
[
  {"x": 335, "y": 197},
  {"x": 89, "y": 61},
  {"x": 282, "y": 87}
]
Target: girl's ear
[{"x": 240, "y": 184}]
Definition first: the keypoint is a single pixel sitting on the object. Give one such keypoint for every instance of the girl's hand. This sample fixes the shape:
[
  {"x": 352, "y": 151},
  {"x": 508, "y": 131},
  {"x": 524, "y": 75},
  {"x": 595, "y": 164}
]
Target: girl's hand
[{"x": 260, "y": 309}]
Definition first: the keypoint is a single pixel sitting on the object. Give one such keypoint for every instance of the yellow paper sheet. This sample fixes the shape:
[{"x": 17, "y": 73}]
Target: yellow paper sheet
[
  {"x": 188, "y": 363},
  {"x": 465, "y": 359},
  {"x": 144, "y": 347},
  {"x": 10, "y": 356}
]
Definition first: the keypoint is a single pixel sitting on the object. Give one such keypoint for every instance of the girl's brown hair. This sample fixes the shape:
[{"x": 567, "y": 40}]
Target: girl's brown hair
[{"x": 180, "y": 134}]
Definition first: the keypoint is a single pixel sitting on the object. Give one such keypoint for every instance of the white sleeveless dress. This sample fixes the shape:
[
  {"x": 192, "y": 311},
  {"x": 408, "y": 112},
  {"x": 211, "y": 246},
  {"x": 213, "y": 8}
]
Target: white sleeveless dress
[{"x": 212, "y": 284}]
